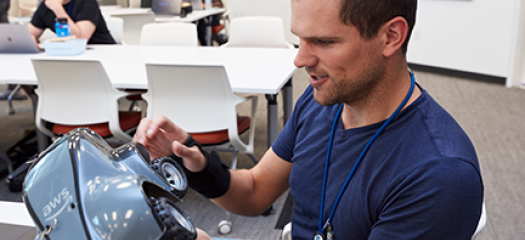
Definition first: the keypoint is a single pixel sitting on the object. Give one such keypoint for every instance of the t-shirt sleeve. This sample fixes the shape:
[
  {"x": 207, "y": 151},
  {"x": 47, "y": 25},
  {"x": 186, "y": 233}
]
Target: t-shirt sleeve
[
  {"x": 38, "y": 16},
  {"x": 285, "y": 142},
  {"x": 88, "y": 10},
  {"x": 441, "y": 199}
]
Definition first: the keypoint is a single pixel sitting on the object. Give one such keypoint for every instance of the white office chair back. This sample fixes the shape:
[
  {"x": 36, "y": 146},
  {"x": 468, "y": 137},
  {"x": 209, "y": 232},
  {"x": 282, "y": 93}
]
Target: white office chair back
[
  {"x": 115, "y": 27},
  {"x": 27, "y": 7},
  {"x": 257, "y": 31},
  {"x": 134, "y": 3},
  {"x": 482, "y": 221},
  {"x": 172, "y": 33},
  {"x": 133, "y": 26},
  {"x": 76, "y": 93},
  {"x": 197, "y": 98}
]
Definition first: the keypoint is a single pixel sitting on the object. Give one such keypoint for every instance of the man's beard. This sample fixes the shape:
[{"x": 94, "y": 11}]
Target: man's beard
[{"x": 352, "y": 91}]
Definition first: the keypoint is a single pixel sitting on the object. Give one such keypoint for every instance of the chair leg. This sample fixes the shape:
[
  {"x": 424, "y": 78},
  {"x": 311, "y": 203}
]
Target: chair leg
[
  {"x": 225, "y": 226},
  {"x": 10, "y": 109},
  {"x": 8, "y": 163},
  {"x": 252, "y": 157}
]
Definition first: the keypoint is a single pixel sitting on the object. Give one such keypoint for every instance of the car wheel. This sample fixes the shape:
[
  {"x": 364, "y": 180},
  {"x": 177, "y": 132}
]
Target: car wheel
[
  {"x": 177, "y": 225},
  {"x": 173, "y": 173}
]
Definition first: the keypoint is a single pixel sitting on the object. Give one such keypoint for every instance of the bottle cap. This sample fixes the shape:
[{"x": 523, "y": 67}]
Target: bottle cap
[{"x": 61, "y": 20}]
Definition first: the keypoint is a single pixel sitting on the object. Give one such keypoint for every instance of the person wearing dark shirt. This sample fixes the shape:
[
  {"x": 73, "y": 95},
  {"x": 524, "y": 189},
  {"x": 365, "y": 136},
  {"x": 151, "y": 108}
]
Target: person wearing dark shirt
[
  {"x": 367, "y": 153},
  {"x": 4, "y": 8},
  {"x": 84, "y": 18}
]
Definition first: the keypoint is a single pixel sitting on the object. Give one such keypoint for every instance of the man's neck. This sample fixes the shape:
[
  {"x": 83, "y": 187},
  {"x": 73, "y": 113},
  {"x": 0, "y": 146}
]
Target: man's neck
[{"x": 381, "y": 103}]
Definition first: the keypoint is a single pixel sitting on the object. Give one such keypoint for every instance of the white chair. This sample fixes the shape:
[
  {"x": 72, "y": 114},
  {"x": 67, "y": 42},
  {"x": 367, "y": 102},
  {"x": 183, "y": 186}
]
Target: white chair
[
  {"x": 134, "y": 3},
  {"x": 201, "y": 101},
  {"x": 172, "y": 33},
  {"x": 116, "y": 28},
  {"x": 287, "y": 229},
  {"x": 257, "y": 31},
  {"x": 224, "y": 19},
  {"x": 133, "y": 26},
  {"x": 75, "y": 94},
  {"x": 482, "y": 221},
  {"x": 27, "y": 7}
]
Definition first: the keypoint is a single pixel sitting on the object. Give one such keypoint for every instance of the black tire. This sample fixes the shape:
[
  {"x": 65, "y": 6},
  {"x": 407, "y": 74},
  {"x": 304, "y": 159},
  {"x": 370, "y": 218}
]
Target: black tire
[
  {"x": 172, "y": 173},
  {"x": 177, "y": 226}
]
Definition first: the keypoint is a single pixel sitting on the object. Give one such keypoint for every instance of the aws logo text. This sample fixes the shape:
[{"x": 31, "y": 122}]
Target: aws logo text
[{"x": 59, "y": 202}]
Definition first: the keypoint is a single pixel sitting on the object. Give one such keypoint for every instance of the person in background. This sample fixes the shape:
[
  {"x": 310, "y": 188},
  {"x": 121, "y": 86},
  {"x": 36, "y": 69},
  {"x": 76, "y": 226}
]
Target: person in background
[
  {"x": 84, "y": 18},
  {"x": 215, "y": 24},
  {"x": 4, "y": 9},
  {"x": 367, "y": 154}
]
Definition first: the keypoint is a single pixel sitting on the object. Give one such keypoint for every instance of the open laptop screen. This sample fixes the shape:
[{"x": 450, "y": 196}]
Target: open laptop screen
[
  {"x": 15, "y": 38},
  {"x": 166, "y": 7}
]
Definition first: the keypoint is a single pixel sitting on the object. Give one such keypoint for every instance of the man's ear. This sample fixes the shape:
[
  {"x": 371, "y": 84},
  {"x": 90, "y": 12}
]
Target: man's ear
[{"x": 395, "y": 31}]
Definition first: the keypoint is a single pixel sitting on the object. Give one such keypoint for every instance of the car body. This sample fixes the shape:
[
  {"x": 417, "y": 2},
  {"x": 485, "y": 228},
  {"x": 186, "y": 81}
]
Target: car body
[{"x": 82, "y": 188}]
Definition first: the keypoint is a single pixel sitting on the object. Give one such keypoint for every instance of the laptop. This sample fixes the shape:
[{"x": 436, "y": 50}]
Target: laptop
[
  {"x": 15, "y": 38},
  {"x": 166, "y": 7}
]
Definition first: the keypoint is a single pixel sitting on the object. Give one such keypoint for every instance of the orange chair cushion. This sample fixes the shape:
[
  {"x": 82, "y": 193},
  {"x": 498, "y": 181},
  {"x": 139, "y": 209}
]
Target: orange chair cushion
[
  {"x": 217, "y": 29},
  {"x": 221, "y": 136},
  {"x": 127, "y": 121}
]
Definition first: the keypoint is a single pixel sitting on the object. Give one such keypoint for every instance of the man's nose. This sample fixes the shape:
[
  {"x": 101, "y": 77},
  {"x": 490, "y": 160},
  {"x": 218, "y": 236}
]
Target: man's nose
[{"x": 305, "y": 57}]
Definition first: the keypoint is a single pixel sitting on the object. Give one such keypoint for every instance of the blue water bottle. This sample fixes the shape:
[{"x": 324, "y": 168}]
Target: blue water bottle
[{"x": 62, "y": 27}]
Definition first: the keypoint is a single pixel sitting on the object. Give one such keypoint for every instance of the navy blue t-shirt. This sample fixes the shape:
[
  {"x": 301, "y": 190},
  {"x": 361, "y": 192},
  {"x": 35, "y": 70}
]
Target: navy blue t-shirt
[
  {"x": 420, "y": 179},
  {"x": 80, "y": 10}
]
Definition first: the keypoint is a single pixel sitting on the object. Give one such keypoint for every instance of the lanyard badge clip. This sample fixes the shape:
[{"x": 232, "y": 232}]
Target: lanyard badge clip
[{"x": 329, "y": 232}]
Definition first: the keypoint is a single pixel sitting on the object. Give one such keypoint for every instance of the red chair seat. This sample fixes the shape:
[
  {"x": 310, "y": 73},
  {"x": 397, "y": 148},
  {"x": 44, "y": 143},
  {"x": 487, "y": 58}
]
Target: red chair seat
[
  {"x": 127, "y": 121},
  {"x": 217, "y": 29},
  {"x": 221, "y": 136}
]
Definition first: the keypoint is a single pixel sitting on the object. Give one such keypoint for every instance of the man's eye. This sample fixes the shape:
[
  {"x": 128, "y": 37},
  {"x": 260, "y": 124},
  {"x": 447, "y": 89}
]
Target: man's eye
[{"x": 323, "y": 42}]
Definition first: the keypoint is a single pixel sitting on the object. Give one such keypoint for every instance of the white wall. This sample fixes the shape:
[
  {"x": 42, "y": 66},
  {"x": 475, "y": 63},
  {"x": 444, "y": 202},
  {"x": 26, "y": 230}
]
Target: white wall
[
  {"x": 473, "y": 36},
  {"x": 479, "y": 36}
]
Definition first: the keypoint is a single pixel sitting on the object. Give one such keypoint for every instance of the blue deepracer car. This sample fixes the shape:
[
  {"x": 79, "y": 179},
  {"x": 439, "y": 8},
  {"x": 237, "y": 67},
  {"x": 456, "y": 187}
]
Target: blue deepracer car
[{"x": 81, "y": 188}]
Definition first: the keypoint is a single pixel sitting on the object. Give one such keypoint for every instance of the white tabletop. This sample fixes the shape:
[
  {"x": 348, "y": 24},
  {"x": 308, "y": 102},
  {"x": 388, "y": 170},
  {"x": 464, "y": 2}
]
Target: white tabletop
[
  {"x": 250, "y": 70},
  {"x": 15, "y": 213},
  {"x": 193, "y": 16}
]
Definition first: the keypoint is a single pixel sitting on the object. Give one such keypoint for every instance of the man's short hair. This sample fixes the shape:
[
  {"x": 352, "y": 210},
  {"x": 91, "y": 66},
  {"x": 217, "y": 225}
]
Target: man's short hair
[{"x": 369, "y": 15}]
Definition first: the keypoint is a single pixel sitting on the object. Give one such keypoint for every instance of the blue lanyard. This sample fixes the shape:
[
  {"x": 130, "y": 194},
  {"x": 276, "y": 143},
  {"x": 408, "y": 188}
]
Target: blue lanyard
[{"x": 329, "y": 151}]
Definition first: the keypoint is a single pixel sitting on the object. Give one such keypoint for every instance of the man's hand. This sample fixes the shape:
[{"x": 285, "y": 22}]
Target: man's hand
[
  {"x": 162, "y": 138},
  {"x": 202, "y": 235}
]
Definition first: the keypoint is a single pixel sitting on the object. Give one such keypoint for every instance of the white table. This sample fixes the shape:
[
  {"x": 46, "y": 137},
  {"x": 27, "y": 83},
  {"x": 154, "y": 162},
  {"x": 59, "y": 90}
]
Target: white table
[
  {"x": 192, "y": 17},
  {"x": 195, "y": 15},
  {"x": 15, "y": 213},
  {"x": 250, "y": 70}
]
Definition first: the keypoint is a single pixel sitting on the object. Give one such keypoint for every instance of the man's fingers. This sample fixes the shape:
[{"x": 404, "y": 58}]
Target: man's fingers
[
  {"x": 192, "y": 158},
  {"x": 171, "y": 128},
  {"x": 141, "y": 129}
]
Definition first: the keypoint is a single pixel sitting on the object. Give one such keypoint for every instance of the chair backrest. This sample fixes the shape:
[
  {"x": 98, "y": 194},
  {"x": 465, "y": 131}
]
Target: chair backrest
[
  {"x": 257, "y": 31},
  {"x": 482, "y": 221},
  {"x": 134, "y": 3},
  {"x": 115, "y": 27},
  {"x": 197, "y": 98},
  {"x": 27, "y": 7},
  {"x": 171, "y": 33},
  {"x": 74, "y": 92},
  {"x": 133, "y": 26}
]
